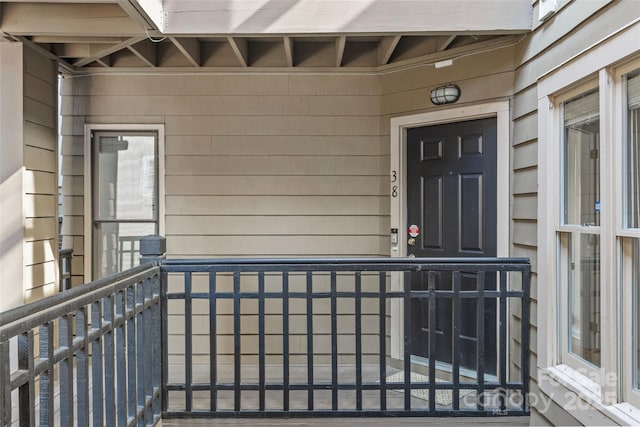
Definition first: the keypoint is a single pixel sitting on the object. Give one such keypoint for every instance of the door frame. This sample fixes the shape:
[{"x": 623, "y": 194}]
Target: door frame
[
  {"x": 398, "y": 204},
  {"x": 88, "y": 183}
]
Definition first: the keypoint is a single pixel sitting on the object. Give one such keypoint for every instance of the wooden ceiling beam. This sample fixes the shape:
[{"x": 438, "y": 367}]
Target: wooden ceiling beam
[
  {"x": 77, "y": 39},
  {"x": 147, "y": 51},
  {"x": 288, "y": 50},
  {"x": 65, "y": 19},
  {"x": 241, "y": 49},
  {"x": 105, "y": 62},
  {"x": 386, "y": 47},
  {"x": 190, "y": 48},
  {"x": 447, "y": 42},
  {"x": 340, "y": 44},
  {"x": 61, "y": 62},
  {"x": 108, "y": 51},
  {"x": 76, "y": 50}
]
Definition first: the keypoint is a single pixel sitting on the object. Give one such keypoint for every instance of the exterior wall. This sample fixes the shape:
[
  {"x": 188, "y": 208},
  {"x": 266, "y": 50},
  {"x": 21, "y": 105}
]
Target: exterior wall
[
  {"x": 41, "y": 175},
  {"x": 255, "y": 165},
  {"x": 575, "y": 27},
  {"x": 29, "y": 211}
]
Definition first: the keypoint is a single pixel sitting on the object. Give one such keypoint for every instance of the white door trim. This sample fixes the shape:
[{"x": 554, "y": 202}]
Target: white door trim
[
  {"x": 88, "y": 209},
  {"x": 398, "y": 154}
]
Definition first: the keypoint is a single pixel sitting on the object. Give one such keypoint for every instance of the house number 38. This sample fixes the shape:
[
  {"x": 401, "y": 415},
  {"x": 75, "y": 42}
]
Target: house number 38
[{"x": 394, "y": 189}]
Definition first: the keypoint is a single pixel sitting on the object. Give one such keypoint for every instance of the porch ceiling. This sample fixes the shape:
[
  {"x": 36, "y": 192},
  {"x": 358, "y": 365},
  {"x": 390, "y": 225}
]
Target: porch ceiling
[{"x": 89, "y": 35}]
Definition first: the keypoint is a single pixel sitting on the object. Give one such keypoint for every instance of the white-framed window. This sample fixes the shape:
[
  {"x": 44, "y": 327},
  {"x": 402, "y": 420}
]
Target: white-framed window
[
  {"x": 629, "y": 228},
  {"x": 589, "y": 233},
  {"x": 578, "y": 229}
]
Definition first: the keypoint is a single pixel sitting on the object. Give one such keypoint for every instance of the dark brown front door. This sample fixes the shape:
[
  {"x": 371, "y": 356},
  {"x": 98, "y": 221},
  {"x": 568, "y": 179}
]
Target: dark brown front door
[{"x": 451, "y": 197}]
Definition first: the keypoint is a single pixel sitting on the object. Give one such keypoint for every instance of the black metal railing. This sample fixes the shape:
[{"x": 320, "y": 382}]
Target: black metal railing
[
  {"x": 88, "y": 356},
  {"x": 333, "y": 337},
  {"x": 65, "y": 256},
  {"x": 272, "y": 337}
]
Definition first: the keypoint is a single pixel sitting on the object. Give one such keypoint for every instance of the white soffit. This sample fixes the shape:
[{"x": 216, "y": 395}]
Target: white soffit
[
  {"x": 340, "y": 16},
  {"x": 153, "y": 9}
]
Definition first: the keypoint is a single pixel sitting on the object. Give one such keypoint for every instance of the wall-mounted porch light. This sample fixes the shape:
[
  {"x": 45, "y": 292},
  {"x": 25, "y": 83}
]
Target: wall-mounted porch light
[{"x": 445, "y": 94}]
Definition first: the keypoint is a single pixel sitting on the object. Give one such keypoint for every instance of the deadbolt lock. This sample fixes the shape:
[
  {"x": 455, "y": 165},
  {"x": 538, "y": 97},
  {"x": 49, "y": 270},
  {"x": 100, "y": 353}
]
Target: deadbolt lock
[{"x": 411, "y": 241}]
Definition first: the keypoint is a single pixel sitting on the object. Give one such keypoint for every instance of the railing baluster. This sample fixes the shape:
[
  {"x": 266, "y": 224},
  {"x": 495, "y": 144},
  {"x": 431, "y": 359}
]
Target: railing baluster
[
  {"x": 82, "y": 368},
  {"x": 97, "y": 372},
  {"x": 121, "y": 363},
  {"x": 502, "y": 354},
  {"x": 310, "y": 371},
  {"x": 213, "y": 348},
  {"x": 261, "y": 342},
  {"x": 236, "y": 343},
  {"x": 110, "y": 389},
  {"x": 480, "y": 338},
  {"x": 66, "y": 371},
  {"x": 156, "y": 316},
  {"x": 26, "y": 392},
  {"x": 407, "y": 344},
  {"x": 382, "y": 300},
  {"x": 358, "y": 326},
  {"x": 285, "y": 340},
  {"x": 5, "y": 384},
  {"x": 47, "y": 377},
  {"x": 148, "y": 353},
  {"x": 525, "y": 331},
  {"x": 164, "y": 314},
  {"x": 431, "y": 283},
  {"x": 457, "y": 330},
  {"x": 188, "y": 342},
  {"x": 334, "y": 343},
  {"x": 132, "y": 352},
  {"x": 142, "y": 350}
]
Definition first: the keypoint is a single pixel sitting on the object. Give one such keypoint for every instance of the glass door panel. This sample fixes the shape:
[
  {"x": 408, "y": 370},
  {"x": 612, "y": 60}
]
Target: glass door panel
[{"x": 125, "y": 198}]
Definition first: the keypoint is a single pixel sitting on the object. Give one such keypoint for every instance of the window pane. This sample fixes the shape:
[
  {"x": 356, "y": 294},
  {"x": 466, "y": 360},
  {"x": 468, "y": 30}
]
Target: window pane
[
  {"x": 633, "y": 151},
  {"x": 581, "y": 150},
  {"x": 126, "y": 177},
  {"x": 584, "y": 296},
  {"x": 118, "y": 245}
]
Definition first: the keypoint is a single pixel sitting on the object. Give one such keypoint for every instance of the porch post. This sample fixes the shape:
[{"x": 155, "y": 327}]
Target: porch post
[
  {"x": 152, "y": 249},
  {"x": 12, "y": 224}
]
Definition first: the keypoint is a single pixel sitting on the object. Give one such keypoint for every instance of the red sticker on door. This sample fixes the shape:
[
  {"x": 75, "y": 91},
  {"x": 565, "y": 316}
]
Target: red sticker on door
[{"x": 414, "y": 230}]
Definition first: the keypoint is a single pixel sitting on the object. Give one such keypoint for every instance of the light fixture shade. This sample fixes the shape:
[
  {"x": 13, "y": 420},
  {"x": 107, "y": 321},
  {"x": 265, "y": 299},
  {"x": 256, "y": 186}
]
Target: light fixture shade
[{"x": 445, "y": 94}]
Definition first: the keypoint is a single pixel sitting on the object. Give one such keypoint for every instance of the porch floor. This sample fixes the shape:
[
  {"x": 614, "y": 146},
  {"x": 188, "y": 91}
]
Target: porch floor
[{"x": 352, "y": 422}]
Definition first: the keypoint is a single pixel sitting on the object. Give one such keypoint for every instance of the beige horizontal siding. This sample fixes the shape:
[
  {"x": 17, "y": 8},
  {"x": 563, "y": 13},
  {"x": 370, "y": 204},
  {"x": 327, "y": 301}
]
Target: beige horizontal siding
[
  {"x": 247, "y": 245},
  {"x": 275, "y": 165},
  {"x": 40, "y": 251},
  {"x": 302, "y": 185},
  {"x": 277, "y": 205},
  {"x": 37, "y": 182},
  {"x": 278, "y": 145},
  {"x": 284, "y": 225}
]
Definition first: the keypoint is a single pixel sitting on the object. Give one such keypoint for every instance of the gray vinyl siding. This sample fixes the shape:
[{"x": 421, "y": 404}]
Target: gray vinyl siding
[
  {"x": 575, "y": 27},
  {"x": 40, "y": 177}
]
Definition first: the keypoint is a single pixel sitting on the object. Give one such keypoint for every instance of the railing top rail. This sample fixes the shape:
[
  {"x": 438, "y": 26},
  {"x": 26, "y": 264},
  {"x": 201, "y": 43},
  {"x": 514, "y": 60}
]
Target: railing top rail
[
  {"x": 346, "y": 261},
  {"x": 63, "y": 297}
]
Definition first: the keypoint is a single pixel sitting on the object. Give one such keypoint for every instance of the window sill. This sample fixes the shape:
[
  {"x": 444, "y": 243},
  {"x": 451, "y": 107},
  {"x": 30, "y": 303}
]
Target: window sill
[{"x": 581, "y": 397}]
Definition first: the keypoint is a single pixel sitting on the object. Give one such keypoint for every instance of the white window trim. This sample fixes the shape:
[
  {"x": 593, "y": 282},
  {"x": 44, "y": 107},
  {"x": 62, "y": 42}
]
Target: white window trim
[
  {"x": 561, "y": 382},
  {"x": 88, "y": 210},
  {"x": 399, "y": 126}
]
